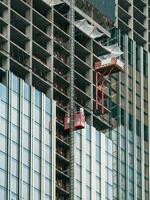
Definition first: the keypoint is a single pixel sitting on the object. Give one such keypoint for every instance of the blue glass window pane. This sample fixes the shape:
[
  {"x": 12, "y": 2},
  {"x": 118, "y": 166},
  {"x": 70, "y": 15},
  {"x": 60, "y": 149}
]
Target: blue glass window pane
[
  {"x": 15, "y": 100},
  {"x": 15, "y": 133},
  {"x": 26, "y": 140},
  {"x": 37, "y": 98},
  {"x": 37, "y": 115},
  {"x": 36, "y": 162},
  {"x": 77, "y": 140},
  {"x": 26, "y": 91},
  {"x": 36, "y": 194},
  {"x": 37, "y": 147},
  {"x": 26, "y": 157},
  {"x": 48, "y": 138},
  {"x": 97, "y": 138},
  {"x": 26, "y": 124},
  {"x": 14, "y": 150},
  {"x": 3, "y": 126},
  {"x": 47, "y": 121},
  {"x": 37, "y": 180},
  {"x": 88, "y": 132},
  {"x": 3, "y": 143},
  {"x": 48, "y": 170},
  {"x": 25, "y": 191},
  {"x": 3, "y": 193},
  {"x": 3, "y": 109},
  {"x": 3, "y": 92},
  {"x": 26, "y": 174},
  {"x": 47, "y": 186},
  {"x": 3, "y": 161},
  {"x": 15, "y": 84},
  {"x": 15, "y": 117},
  {"x": 14, "y": 167},
  {"x": 78, "y": 188},
  {"x": 26, "y": 107},
  {"x": 14, "y": 184},
  {"x": 47, "y": 154},
  {"x": 37, "y": 131},
  {"x": 48, "y": 105},
  {"x": 3, "y": 178}
]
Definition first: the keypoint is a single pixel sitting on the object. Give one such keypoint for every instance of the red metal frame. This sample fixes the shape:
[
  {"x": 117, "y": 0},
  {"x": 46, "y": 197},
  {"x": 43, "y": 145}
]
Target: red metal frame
[
  {"x": 79, "y": 121},
  {"x": 101, "y": 76}
]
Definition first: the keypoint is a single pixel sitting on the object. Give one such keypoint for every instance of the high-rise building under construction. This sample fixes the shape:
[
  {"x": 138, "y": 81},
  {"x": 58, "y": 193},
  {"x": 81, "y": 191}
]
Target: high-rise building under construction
[{"x": 74, "y": 100}]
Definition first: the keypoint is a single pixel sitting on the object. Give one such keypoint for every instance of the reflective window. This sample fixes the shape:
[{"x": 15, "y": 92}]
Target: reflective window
[
  {"x": 37, "y": 180},
  {"x": 26, "y": 140},
  {"x": 47, "y": 154},
  {"x": 36, "y": 161},
  {"x": 3, "y": 178},
  {"x": 3, "y": 109},
  {"x": 25, "y": 191},
  {"x": 38, "y": 98},
  {"x": 3, "y": 126},
  {"x": 26, "y": 157},
  {"x": 15, "y": 100},
  {"x": 15, "y": 133},
  {"x": 48, "y": 170},
  {"x": 14, "y": 184},
  {"x": 36, "y": 194},
  {"x": 3, "y": 93},
  {"x": 3, "y": 193},
  {"x": 14, "y": 167},
  {"x": 37, "y": 147},
  {"x": 26, "y": 174},
  {"x": 47, "y": 138},
  {"x": 26, "y": 91},
  {"x": 47, "y": 186},
  {"x": 14, "y": 150},
  {"x": 15, "y": 84},
  {"x": 26, "y": 124},
  {"x": 3, "y": 143},
  {"x": 26, "y": 107},
  {"x": 15, "y": 117},
  {"x": 3, "y": 160},
  {"x": 48, "y": 105}
]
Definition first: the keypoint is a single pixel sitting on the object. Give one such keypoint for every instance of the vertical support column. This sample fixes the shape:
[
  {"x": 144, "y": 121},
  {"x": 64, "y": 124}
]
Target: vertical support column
[
  {"x": 119, "y": 124},
  {"x": 53, "y": 150},
  {"x": 31, "y": 144},
  {"x": 91, "y": 80},
  {"x": 72, "y": 188},
  {"x": 93, "y": 163},
  {"x": 149, "y": 116},
  {"x": 9, "y": 135},
  {"x": 126, "y": 116},
  {"x": 21, "y": 111},
  {"x": 42, "y": 148},
  {"x": 30, "y": 30},
  {"x": 83, "y": 165},
  {"x": 142, "y": 126},
  {"x": 51, "y": 60},
  {"x": 134, "y": 119},
  {"x": 103, "y": 165}
]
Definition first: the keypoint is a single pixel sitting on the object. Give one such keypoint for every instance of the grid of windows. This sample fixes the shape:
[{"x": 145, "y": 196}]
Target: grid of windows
[{"x": 23, "y": 142}]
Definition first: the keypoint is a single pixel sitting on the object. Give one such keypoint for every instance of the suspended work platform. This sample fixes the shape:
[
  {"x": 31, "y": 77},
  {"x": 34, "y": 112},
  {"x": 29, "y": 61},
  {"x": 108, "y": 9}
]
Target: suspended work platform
[{"x": 109, "y": 66}]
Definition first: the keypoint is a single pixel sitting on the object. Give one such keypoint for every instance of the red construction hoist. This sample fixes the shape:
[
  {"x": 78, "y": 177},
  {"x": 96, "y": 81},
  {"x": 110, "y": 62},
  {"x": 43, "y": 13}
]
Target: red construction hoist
[{"x": 103, "y": 69}]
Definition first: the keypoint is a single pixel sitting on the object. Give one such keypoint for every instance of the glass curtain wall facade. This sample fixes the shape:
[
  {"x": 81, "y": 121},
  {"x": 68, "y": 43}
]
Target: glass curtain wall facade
[
  {"x": 131, "y": 132},
  {"x": 27, "y": 142},
  {"x": 93, "y": 165}
]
